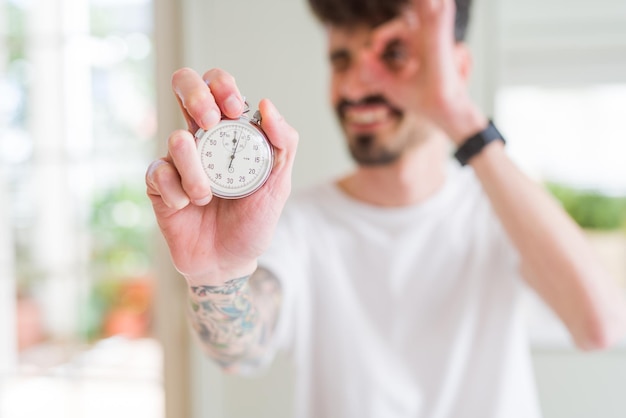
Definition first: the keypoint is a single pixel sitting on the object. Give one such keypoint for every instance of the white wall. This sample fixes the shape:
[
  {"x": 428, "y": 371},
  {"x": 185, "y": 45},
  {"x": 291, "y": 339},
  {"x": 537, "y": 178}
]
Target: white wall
[
  {"x": 562, "y": 42},
  {"x": 581, "y": 385},
  {"x": 275, "y": 49}
]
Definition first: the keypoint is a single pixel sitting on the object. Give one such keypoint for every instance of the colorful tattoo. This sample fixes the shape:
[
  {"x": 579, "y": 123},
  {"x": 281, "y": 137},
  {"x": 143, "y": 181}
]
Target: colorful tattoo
[
  {"x": 236, "y": 320},
  {"x": 227, "y": 288}
]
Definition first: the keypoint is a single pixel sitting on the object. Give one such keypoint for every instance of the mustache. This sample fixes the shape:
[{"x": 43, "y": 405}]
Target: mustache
[{"x": 344, "y": 104}]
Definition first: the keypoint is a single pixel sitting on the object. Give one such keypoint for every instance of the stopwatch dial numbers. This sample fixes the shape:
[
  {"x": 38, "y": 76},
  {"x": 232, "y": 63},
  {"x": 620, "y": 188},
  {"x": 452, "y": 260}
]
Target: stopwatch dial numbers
[
  {"x": 234, "y": 140},
  {"x": 235, "y": 169}
]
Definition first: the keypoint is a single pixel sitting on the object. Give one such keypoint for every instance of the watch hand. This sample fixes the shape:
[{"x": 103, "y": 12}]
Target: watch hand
[
  {"x": 235, "y": 141},
  {"x": 232, "y": 157}
]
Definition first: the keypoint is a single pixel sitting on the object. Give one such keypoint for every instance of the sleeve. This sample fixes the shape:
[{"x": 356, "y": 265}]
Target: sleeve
[
  {"x": 503, "y": 247},
  {"x": 286, "y": 259}
]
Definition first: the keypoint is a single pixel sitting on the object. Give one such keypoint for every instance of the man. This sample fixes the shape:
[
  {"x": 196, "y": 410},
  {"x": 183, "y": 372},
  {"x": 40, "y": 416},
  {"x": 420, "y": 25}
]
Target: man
[{"x": 396, "y": 287}]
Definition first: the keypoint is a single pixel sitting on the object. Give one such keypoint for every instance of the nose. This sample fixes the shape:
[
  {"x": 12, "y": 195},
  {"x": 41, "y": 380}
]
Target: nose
[{"x": 364, "y": 77}]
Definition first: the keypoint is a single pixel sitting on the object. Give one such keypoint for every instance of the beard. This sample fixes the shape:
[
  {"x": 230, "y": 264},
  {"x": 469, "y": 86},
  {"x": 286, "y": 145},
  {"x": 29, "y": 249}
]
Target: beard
[
  {"x": 365, "y": 148},
  {"x": 366, "y": 151}
]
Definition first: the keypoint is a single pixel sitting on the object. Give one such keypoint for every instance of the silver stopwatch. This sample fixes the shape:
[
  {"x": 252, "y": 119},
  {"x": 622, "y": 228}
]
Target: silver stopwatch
[{"x": 236, "y": 156}]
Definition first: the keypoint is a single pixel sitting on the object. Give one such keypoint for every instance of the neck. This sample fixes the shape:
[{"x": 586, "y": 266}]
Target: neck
[{"x": 412, "y": 179}]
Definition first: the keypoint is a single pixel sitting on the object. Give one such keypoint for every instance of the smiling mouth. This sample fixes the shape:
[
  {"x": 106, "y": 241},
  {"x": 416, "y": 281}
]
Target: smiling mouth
[{"x": 367, "y": 115}]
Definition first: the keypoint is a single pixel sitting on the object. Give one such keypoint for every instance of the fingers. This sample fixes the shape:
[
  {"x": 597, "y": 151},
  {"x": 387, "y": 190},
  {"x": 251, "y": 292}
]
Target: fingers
[
  {"x": 225, "y": 91},
  {"x": 204, "y": 99},
  {"x": 183, "y": 152},
  {"x": 401, "y": 35},
  {"x": 179, "y": 179},
  {"x": 195, "y": 99},
  {"x": 283, "y": 136},
  {"x": 436, "y": 16},
  {"x": 163, "y": 181}
]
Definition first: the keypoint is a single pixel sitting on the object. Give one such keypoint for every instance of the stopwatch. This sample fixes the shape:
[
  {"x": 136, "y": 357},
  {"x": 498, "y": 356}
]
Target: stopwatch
[{"x": 236, "y": 155}]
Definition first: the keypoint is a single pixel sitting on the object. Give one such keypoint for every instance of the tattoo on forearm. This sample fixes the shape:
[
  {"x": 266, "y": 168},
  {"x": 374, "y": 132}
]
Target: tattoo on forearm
[
  {"x": 227, "y": 288},
  {"x": 235, "y": 321}
]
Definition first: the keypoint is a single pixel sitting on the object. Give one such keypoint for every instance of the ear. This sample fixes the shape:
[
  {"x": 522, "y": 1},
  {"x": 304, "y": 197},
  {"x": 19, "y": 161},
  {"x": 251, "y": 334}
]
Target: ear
[{"x": 464, "y": 61}]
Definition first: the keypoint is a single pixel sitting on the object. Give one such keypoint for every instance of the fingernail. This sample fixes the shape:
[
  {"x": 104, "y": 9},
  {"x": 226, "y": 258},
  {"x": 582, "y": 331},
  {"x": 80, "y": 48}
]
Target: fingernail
[
  {"x": 178, "y": 204},
  {"x": 203, "y": 201},
  {"x": 274, "y": 113},
  {"x": 210, "y": 118},
  {"x": 232, "y": 105}
]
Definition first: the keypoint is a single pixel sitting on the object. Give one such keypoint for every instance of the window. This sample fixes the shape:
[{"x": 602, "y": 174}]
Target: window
[
  {"x": 77, "y": 119},
  {"x": 573, "y": 140},
  {"x": 561, "y": 101},
  {"x": 575, "y": 136}
]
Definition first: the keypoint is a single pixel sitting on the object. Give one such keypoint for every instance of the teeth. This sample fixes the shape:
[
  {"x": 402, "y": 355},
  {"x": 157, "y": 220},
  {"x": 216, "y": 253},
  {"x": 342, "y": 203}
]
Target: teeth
[{"x": 366, "y": 116}]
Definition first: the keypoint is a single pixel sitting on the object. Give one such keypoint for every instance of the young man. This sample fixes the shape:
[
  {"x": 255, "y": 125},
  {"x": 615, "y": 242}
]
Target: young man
[{"x": 397, "y": 287}]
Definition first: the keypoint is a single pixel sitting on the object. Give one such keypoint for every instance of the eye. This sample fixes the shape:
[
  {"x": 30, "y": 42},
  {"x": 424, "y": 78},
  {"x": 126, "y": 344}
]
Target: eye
[
  {"x": 340, "y": 61},
  {"x": 395, "y": 55}
]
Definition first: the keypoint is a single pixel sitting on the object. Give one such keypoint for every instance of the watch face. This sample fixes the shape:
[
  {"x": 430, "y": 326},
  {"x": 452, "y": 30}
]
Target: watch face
[{"x": 236, "y": 156}]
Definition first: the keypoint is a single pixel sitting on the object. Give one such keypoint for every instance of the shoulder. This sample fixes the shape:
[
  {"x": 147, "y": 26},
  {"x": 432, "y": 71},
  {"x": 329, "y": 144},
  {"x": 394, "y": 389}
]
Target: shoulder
[
  {"x": 462, "y": 195},
  {"x": 469, "y": 205},
  {"x": 464, "y": 183}
]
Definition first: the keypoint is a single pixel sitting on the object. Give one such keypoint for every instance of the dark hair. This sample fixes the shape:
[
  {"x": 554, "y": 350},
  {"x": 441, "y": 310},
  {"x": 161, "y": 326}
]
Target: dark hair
[{"x": 376, "y": 12}]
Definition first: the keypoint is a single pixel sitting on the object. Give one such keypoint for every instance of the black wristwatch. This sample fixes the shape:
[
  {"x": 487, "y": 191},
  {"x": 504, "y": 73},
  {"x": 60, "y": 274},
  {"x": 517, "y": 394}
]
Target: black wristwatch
[{"x": 475, "y": 144}]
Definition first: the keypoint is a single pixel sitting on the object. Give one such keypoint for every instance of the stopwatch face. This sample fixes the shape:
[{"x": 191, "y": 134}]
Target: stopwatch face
[{"x": 236, "y": 156}]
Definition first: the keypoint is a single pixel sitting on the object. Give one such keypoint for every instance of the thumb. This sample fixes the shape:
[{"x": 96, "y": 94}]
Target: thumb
[{"x": 283, "y": 136}]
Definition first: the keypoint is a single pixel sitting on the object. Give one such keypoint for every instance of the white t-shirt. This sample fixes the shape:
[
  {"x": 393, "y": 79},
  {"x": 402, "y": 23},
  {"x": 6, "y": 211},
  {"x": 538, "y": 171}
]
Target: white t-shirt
[{"x": 402, "y": 312}]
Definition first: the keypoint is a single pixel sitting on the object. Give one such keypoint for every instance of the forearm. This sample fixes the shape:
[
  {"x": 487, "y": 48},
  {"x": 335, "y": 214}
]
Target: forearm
[
  {"x": 235, "y": 322},
  {"x": 557, "y": 261},
  {"x": 542, "y": 232}
]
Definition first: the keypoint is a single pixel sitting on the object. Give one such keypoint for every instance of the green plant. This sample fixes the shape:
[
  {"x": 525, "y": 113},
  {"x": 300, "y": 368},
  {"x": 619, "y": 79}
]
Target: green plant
[
  {"x": 591, "y": 209},
  {"x": 121, "y": 227}
]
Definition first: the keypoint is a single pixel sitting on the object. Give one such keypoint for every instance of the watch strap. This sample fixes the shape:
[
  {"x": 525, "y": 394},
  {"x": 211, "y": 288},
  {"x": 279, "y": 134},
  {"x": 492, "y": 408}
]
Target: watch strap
[{"x": 475, "y": 144}]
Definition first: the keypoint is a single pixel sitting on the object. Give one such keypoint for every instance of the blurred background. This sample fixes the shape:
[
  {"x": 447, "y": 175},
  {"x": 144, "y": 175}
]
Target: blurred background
[
  {"x": 91, "y": 312},
  {"x": 77, "y": 129}
]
